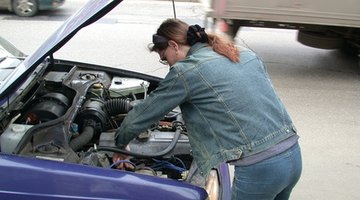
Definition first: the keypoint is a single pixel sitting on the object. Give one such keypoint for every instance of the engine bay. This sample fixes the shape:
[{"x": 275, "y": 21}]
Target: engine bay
[{"x": 70, "y": 114}]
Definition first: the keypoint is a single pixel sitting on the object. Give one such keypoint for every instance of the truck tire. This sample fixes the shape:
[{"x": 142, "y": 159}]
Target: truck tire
[
  {"x": 233, "y": 28},
  {"x": 320, "y": 40},
  {"x": 351, "y": 48}
]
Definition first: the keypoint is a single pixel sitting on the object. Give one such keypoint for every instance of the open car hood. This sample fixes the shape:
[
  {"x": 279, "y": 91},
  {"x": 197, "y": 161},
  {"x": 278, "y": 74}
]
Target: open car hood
[
  {"x": 91, "y": 12},
  {"x": 10, "y": 58}
]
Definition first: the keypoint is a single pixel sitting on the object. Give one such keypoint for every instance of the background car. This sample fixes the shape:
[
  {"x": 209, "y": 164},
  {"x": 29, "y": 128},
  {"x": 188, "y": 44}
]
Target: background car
[
  {"x": 29, "y": 8},
  {"x": 57, "y": 129}
]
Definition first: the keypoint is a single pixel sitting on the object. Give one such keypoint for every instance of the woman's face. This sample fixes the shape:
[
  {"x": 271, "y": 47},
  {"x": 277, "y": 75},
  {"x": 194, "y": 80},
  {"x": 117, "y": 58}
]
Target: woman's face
[
  {"x": 168, "y": 56},
  {"x": 162, "y": 54},
  {"x": 172, "y": 53}
]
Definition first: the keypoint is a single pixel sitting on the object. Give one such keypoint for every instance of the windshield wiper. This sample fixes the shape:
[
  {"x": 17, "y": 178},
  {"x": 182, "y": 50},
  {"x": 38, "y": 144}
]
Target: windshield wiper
[{"x": 15, "y": 57}]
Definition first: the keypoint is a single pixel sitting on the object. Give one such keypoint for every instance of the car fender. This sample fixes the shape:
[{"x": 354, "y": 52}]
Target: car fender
[{"x": 46, "y": 179}]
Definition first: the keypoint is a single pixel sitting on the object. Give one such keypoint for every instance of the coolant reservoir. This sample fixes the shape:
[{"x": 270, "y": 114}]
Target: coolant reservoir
[
  {"x": 124, "y": 86},
  {"x": 12, "y": 136}
]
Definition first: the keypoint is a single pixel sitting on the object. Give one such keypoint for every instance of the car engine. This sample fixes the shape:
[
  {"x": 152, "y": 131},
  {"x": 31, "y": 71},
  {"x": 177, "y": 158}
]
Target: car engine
[{"x": 71, "y": 116}]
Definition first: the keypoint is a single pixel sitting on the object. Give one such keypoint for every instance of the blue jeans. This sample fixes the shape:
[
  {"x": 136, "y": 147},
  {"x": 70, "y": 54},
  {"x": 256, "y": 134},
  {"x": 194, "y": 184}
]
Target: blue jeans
[{"x": 273, "y": 178}]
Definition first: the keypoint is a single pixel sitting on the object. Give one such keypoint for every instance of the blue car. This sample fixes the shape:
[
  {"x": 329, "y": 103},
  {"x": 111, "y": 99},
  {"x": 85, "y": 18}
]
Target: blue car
[
  {"x": 29, "y": 8},
  {"x": 57, "y": 124}
]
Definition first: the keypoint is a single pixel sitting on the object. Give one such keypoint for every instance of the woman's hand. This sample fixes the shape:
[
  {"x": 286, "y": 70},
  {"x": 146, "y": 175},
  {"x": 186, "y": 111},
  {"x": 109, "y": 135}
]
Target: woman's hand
[{"x": 123, "y": 160}]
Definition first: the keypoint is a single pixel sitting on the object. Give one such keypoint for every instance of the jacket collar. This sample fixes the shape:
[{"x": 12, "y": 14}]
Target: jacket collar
[{"x": 196, "y": 47}]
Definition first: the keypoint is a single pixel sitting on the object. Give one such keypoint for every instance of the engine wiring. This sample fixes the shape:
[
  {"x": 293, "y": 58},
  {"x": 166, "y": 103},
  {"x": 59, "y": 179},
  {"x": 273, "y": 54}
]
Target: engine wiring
[
  {"x": 155, "y": 167},
  {"x": 164, "y": 164},
  {"x": 122, "y": 161}
]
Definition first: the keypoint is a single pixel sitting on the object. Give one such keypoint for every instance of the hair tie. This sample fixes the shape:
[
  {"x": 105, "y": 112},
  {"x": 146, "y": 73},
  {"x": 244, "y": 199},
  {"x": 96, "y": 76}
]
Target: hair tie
[
  {"x": 196, "y": 34},
  {"x": 158, "y": 39}
]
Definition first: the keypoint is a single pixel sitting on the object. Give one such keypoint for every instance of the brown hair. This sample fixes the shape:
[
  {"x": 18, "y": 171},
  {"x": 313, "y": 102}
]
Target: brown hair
[{"x": 174, "y": 29}]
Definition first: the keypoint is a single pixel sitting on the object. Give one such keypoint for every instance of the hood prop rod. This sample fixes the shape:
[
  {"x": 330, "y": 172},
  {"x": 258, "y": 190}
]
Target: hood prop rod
[{"x": 173, "y": 2}]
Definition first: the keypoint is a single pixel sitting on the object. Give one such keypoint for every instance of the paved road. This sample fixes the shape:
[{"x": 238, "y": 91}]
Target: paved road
[{"x": 321, "y": 88}]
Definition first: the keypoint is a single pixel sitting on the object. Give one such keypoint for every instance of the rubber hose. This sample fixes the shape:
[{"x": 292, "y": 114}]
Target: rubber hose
[
  {"x": 83, "y": 139},
  {"x": 116, "y": 106}
]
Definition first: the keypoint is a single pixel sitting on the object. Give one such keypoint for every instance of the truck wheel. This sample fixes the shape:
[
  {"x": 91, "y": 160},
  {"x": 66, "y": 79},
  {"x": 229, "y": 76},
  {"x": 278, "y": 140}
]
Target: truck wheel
[
  {"x": 233, "y": 28},
  {"x": 25, "y": 8},
  {"x": 351, "y": 48},
  {"x": 320, "y": 40}
]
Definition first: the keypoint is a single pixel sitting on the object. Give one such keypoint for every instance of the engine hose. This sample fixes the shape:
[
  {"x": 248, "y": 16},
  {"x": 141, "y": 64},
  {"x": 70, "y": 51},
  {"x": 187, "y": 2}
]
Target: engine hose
[
  {"x": 116, "y": 106},
  {"x": 83, "y": 139},
  {"x": 141, "y": 155}
]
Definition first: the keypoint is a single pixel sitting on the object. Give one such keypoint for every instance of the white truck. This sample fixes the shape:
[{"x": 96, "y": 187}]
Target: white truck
[{"x": 326, "y": 24}]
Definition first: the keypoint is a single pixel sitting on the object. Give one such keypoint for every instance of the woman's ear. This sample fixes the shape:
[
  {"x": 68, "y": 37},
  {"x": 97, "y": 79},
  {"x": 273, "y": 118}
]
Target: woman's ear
[{"x": 173, "y": 44}]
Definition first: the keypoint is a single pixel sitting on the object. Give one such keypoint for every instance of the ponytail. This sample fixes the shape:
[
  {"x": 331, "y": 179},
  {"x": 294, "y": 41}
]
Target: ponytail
[
  {"x": 224, "y": 47},
  {"x": 182, "y": 33},
  {"x": 221, "y": 46}
]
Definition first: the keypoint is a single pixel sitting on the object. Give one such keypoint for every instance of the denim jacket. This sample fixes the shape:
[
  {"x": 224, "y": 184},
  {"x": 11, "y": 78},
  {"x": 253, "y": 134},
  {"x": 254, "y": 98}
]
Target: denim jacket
[{"x": 231, "y": 110}]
